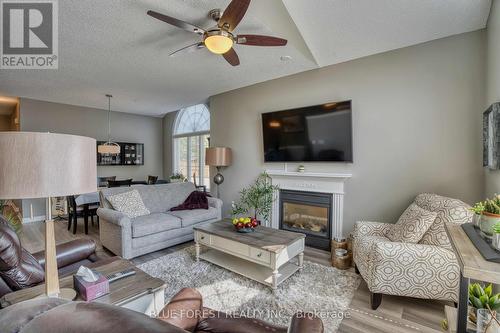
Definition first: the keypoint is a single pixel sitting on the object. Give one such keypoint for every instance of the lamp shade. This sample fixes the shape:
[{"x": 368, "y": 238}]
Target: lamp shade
[
  {"x": 218, "y": 156},
  {"x": 42, "y": 165}
]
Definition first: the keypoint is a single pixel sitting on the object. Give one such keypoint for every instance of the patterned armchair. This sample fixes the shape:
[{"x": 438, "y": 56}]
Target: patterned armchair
[{"x": 426, "y": 270}]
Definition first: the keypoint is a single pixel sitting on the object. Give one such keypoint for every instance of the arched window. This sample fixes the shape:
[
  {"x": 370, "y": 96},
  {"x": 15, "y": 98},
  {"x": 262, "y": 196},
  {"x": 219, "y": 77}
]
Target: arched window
[{"x": 191, "y": 136}]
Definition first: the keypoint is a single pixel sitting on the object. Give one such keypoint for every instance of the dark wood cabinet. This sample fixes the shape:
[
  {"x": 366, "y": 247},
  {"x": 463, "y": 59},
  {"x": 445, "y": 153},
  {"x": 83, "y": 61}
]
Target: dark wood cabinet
[{"x": 130, "y": 154}]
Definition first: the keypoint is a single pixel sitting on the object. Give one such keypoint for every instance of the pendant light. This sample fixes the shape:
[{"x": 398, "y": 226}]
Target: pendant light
[{"x": 109, "y": 147}]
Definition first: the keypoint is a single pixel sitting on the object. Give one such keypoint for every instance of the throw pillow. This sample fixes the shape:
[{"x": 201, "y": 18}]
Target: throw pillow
[
  {"x": 196, "y": 200},
  {"x": 130, "y": 203},
  {"x": 412, "y": 225}
]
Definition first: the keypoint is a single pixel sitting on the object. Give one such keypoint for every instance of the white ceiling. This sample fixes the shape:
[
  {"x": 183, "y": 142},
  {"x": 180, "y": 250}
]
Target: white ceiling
[
  {"x": 340, "y": 30},
  {"x": 112, "y": 46}
]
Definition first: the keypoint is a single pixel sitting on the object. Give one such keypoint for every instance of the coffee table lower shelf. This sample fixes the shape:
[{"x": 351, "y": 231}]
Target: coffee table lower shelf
[{"x": 249, "y": 269}]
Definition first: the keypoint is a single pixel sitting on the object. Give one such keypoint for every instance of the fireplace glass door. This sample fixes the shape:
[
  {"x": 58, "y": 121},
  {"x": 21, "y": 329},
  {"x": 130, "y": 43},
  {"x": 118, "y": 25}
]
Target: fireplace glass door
[
  {"x": 306, "y": 217},
  {"x": 308, "y": 213}
]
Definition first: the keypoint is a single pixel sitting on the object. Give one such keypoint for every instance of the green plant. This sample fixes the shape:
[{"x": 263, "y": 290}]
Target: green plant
[
  {"x": 489, "y": 206},
  {"x": 496, "y": 228},
  {"x": 483, "y": 298},
  {"x": 478, "y": 208},
  {"x": 258, "y": 197},
  {"x": 13, "y": 219},
  {"x": 178, "y": 175}
]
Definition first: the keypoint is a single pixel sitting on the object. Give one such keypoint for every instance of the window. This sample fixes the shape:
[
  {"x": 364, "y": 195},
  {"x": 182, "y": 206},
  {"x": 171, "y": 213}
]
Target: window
[{"x": 191, "y": 136}]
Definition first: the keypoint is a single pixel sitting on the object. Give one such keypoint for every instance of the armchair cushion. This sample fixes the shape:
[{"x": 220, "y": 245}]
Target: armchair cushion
[
  {"x": 18, "y": 268},
  {"x": 70, "y": 252},
  {"x": 370, "y": 228},
  {"x": 185, "y": 310},
  {"x": 448, "y": 210},
  {"x": 413, "y": 270},
  {"x": 412, "y": 225}
]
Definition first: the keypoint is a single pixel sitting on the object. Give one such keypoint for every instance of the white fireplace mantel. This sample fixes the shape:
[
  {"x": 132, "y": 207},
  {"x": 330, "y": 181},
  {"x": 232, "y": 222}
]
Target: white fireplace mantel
[
  {"x": 280, "y": 173},
  {"x": 332, "y": 183}
]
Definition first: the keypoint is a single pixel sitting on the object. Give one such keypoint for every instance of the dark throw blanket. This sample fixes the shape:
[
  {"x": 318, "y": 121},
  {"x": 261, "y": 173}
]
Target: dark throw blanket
[{"x": 196, "y": 200}]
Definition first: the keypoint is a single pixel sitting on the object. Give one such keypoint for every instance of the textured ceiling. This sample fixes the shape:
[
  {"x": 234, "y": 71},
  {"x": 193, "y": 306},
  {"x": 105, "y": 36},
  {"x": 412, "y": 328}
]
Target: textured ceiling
[{"x": 112, "y": 46}]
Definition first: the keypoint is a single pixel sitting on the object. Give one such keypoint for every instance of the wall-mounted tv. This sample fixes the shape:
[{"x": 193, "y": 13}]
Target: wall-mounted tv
[{"x": 319, "y": 133}]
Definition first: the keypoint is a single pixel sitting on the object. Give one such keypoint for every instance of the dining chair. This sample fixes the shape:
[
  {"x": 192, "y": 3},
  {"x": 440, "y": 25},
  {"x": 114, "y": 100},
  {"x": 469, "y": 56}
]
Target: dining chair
[
  {"x": 103, "y": 181},
  {"x": 75, "y": 211},
  {"x": 152, "y": 180},
  {"x": 200, "y": 188},
  {"x": 120, "y": 183}
]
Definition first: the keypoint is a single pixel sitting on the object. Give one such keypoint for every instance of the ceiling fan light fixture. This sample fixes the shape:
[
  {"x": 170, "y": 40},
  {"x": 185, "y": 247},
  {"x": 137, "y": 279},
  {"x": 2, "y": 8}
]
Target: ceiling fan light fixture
[{"x": 219, "y": 42}]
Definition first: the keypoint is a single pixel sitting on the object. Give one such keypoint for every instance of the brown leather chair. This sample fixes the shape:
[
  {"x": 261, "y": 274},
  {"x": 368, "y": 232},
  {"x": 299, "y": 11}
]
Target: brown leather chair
[
  {"x": 49, "y": 315},
  {"x": 20, "y": 269}
]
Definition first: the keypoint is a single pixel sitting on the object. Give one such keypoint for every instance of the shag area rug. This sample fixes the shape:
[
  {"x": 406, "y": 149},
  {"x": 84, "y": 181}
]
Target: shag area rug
[{"x": 319, "y": 289}]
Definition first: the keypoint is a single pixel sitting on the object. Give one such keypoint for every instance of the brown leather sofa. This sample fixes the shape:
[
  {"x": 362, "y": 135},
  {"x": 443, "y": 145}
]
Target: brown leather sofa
[
  {"x": 20, "y": 269},
  {"x": 184, "y": 313}
]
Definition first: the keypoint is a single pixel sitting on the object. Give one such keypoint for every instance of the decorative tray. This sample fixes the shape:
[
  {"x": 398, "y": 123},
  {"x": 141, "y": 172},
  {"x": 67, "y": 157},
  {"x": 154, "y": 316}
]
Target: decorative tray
[{"x": 482, "y": 244}]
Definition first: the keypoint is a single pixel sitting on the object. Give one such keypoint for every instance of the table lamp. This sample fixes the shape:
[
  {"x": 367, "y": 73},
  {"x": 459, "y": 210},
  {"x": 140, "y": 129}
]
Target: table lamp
[
  {"x": 47, "y": 165},
  {"x": 218, "y": 157}
]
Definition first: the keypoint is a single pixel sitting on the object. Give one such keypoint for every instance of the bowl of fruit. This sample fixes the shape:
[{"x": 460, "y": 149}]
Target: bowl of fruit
[{"x": 245, "y": 224}]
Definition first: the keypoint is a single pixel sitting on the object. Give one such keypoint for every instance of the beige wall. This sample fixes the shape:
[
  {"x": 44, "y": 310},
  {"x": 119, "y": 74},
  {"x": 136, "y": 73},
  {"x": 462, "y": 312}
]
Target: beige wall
[
  {"x": 492, "y": 178},
  {"x": 43, "y": 116},
  {"x": 416, "y": 124}
]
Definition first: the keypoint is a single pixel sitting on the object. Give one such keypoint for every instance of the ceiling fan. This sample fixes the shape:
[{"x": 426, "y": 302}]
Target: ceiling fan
[{"x": 220, "y": 39}]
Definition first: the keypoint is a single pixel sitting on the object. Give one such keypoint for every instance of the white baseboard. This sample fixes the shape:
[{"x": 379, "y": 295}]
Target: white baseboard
[{"x": 40, "y": 218}]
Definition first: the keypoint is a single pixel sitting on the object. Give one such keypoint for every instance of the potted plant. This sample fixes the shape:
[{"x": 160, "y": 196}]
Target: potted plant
[
  {"x": 257, "y": 198},
  {"x": 490, "y": 214},
  {"x": 482, "y": 298},
  {"x": 177, "y": 178},
  {"x": 495, "y": 241},
  {"x": 11, "y": 214},
  {"x": 478, "y": 210}
]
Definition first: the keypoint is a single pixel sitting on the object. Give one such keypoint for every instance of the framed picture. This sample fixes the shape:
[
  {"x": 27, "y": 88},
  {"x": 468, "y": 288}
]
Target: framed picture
[{"x": 491, "y": 137}]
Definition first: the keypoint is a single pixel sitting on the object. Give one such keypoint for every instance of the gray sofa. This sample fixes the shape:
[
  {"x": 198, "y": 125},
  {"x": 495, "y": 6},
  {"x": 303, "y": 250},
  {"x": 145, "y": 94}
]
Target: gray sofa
[{"x": 130, "y": 238}]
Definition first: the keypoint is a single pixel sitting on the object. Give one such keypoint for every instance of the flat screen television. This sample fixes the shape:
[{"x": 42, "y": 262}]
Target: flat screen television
[{"x": 319, "y": 133}]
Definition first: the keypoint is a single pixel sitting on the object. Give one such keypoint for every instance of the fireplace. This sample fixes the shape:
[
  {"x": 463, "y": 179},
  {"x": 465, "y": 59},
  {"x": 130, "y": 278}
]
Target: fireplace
[{"x": 309, "y": 213}]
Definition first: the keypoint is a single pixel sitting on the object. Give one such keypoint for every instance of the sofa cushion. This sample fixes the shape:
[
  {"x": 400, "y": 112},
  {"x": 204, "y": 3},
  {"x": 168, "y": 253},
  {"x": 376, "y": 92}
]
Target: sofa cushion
[
  {"x": 130, "y": 203},
  {"x": 412, "y": 225},
  {"x": 157, "y": 198},
  {"x": 154, "y": 223},
  {"x": 190, "y": 217}
]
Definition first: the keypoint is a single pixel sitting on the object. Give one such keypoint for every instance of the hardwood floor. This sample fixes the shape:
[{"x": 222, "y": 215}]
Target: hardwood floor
[{"x": 396, "y": 314}]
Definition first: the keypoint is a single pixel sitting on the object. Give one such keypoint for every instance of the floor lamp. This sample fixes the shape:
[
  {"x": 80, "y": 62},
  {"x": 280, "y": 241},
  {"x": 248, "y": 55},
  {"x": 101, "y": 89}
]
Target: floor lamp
[
  {"x": 47, "y": 165},
  {"x": 218, "y": 157}
]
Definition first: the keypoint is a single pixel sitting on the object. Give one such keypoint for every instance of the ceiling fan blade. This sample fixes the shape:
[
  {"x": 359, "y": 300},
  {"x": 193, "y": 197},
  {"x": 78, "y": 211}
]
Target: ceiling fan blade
[
  {"x": 188, "y": 49},
  {"x": 259, "y": 40},
  {"x": 175, "y": 22},
  {"x": 231, "y": 57},
  {"x": 233, "y": 14}
]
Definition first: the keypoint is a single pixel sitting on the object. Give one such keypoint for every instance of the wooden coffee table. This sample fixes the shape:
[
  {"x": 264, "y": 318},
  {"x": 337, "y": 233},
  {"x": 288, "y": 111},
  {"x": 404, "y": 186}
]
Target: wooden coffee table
[
  {"x": 264, "y": 255},
  {"x": 140, "y": 292}
]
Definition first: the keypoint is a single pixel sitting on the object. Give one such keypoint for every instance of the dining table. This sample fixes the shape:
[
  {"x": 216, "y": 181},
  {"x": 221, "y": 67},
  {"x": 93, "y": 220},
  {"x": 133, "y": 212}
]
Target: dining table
[{"x": 85, "y": 201}]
